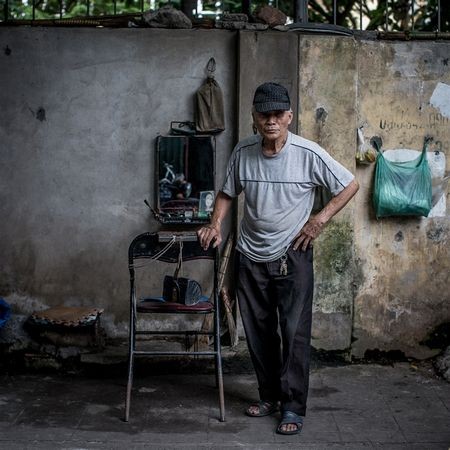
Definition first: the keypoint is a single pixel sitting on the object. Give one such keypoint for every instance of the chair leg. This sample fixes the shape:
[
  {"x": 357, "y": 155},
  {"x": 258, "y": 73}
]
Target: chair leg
[
  {"x": 129, "y": 386},
  {"x": 219, "y": 378},
  {"x": 218, "y": 367},
  {"x": 131, "y": 349}
]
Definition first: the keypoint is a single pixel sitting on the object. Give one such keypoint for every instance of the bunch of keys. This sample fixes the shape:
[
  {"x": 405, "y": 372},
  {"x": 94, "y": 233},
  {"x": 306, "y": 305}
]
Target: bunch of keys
[{"x": 283, "y": 265}]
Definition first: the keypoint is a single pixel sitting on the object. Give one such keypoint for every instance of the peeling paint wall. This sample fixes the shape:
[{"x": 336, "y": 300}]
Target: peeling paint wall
[
  {"x": 402, "y": 291},
  {"x": 327, "y": 96},
  {"x": 80, "y": 110},
  {"x": 393, "y": 291}
]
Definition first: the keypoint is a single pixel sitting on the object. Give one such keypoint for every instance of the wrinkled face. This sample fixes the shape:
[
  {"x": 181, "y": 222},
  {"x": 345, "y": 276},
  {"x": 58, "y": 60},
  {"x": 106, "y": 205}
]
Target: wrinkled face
[{"x": 272, "y": 125}]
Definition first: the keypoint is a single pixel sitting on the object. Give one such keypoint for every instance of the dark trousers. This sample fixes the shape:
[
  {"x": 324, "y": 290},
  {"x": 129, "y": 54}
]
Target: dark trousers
[{"x": 268, "y": 299}]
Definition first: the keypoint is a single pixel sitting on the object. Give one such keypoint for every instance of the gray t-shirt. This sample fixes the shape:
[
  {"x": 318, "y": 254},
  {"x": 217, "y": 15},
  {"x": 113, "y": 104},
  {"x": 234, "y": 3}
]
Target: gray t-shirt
[{"x": 279, "y": 191}]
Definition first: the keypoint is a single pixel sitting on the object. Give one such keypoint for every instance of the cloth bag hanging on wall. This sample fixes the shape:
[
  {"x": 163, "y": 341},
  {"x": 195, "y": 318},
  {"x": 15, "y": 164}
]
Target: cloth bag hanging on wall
[
  {"x": 402, "y": 188},
  {"x": 210, "y": 116}
]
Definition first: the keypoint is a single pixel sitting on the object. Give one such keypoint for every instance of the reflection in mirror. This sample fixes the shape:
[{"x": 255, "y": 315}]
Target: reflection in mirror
[{"x": 185, "y": 186}]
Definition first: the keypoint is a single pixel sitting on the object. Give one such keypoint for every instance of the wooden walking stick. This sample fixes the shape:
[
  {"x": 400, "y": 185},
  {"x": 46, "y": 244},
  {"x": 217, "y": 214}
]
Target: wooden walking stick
[
  {"x": 224, "y": 259},
  {"x": 225, "y": 296}
]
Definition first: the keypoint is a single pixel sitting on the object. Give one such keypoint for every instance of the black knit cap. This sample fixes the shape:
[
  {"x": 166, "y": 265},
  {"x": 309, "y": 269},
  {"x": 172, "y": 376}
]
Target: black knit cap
[{"x": 271, "y": 97}]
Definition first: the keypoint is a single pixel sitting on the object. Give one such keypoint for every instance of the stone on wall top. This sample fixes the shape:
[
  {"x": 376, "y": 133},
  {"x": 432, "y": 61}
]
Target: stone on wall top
[{"x": 167, "y": 17}]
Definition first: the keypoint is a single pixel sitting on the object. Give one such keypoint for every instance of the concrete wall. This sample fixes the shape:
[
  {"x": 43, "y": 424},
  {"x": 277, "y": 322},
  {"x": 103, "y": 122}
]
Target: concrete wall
[
  {"x": 402, "y": 291},
  {"x": 255, "y": 69},
  {"x": 327, "y": 70},
  {"x": 80, "y": 110},
  {"x": 380, "y": 283}
]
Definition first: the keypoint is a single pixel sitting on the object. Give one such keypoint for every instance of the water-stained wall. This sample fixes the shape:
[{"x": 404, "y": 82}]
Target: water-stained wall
[
  {"x": 327, "y": 116},
  {"x": 402, "y": 264},
  {"x": 394, "y": 270},
  {"x": 79, "y": 113}
]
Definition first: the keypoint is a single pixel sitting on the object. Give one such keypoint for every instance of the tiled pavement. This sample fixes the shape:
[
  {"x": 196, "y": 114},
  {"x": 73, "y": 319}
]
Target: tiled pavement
[{"x": 350, "y": 407}]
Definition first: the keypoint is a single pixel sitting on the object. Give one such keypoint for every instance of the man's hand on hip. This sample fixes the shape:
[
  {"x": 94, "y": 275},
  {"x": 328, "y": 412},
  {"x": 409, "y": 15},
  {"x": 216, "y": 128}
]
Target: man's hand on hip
[
  {"x": 315, "y": 224},
  {"x": 308, "y": 233}
]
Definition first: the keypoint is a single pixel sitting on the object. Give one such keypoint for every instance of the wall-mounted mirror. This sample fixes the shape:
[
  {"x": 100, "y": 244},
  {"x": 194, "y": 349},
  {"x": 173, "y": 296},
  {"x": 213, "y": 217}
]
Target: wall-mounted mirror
[{"x": 185, "y": 178}]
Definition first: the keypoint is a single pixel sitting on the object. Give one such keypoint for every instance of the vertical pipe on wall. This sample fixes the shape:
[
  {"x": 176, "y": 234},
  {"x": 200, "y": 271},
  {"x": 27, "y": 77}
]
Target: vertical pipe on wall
[
  {"x": 360, "y": 14},
  {"x": 439, "y": 15},
  {"x": 246, "y": 6},
  {"x": 386, "y": 14},
  {"x": 189, "y": 7},
  {"x": 301, "y": 11}
]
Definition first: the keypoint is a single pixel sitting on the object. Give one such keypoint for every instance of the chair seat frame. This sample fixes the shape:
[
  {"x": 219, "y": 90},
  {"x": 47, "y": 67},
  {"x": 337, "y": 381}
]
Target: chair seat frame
[{"x": 166, "y": 246}]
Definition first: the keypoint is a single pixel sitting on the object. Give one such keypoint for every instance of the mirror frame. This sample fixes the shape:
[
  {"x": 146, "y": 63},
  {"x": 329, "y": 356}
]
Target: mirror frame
[{"x": 187, "y": 214}]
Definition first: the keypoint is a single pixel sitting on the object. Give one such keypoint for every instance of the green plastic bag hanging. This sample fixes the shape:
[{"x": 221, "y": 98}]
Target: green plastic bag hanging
[{"x": 402, "y": 188}]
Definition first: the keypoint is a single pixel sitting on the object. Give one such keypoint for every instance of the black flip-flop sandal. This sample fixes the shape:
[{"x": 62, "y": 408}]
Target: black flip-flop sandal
[
  {"x": 290, "y": 418},
  {"x": 265, "y": 408}
]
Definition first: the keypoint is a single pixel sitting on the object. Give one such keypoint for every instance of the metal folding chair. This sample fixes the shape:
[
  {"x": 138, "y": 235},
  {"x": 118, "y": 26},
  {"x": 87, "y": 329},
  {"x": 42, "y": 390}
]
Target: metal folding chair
[{"x": 169, "y": 247}]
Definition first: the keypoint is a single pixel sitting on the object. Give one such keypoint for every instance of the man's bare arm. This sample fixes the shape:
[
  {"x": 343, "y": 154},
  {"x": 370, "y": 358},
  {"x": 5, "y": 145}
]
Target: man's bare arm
[
  {"x": 212, "y": 232},
  {"x": 315, "y": 224}
]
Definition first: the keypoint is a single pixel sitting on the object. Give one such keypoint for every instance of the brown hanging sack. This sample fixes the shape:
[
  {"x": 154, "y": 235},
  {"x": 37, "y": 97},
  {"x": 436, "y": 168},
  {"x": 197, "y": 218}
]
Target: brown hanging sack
[{"x": 210, "y": 117}]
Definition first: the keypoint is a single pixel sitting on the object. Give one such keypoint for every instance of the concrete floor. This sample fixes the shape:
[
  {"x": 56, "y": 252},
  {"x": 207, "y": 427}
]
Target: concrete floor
[{"x": 397, "y": 406}]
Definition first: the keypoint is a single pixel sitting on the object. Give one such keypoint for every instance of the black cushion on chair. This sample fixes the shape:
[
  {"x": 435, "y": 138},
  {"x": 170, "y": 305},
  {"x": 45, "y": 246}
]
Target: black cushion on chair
[{"x": 158, "y": 305}]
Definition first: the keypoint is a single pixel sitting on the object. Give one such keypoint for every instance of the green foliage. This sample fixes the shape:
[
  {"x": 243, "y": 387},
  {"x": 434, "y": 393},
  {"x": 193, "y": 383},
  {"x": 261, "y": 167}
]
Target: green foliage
[
  {"x": 398, "y": 16},
  {"x": 427, "y": 19},
  {"x": 55, "y": 9},
  {"x": 232, "y": 6}
]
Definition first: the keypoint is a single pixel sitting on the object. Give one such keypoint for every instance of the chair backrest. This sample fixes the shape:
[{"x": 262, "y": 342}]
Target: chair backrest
[{"x": 166, "y": 247}]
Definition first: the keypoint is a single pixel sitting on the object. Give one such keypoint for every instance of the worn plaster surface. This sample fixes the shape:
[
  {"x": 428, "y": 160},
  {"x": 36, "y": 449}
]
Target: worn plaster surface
[
  {"x": 327, "y": 97},
  {"x": 80, "y": 110},
  {"x": 402, "y": 264}
]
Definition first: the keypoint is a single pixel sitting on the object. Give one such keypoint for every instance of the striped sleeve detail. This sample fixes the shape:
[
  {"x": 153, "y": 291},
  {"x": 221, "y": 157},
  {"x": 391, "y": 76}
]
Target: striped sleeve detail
[
  {"x": 323, "y": 161},
  {"x": 232, "y": 163}
]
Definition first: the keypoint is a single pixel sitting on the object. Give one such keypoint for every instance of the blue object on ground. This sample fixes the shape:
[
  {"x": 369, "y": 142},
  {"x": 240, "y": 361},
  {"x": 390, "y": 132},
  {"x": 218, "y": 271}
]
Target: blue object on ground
[{"x": 5, "y": 312}]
